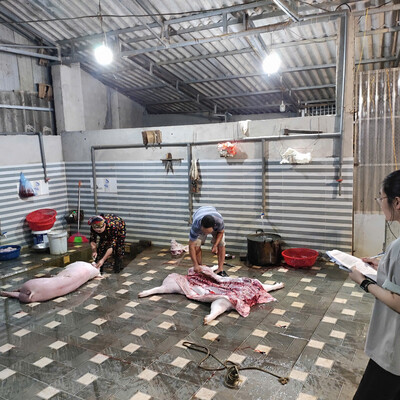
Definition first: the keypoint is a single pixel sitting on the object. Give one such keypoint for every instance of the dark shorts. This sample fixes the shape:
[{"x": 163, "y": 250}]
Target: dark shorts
[{"x": 378, "y": 384}]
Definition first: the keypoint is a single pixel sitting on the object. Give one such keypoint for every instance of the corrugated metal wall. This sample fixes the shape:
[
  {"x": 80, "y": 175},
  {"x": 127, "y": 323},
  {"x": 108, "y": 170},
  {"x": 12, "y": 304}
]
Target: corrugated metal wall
[
  {"x": 377, "y": 136},
  {"x": 13, "y": 210},
  {"x": 377, "y": 139},
  {"x": 303, "y": 205},
  {"x": 14, "y": 120}
]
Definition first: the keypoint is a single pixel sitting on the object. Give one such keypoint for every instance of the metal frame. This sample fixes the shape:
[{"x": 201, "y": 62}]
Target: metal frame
[{"x": 189, "y": 146}]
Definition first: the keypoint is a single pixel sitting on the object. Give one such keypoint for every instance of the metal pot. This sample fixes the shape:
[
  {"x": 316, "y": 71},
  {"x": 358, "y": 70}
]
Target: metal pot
[{"x": 263, "y": 248}]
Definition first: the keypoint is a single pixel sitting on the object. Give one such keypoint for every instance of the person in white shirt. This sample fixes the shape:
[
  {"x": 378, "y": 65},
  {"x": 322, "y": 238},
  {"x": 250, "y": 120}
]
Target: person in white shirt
[{"x": 381, "y": 378}]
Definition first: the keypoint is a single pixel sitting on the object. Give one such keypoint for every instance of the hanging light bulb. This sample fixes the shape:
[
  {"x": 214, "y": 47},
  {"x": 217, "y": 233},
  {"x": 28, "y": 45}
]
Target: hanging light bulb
[
  {"x": 103, "y": 54},
  {"x": 282, "y": 107},
  {"x": 271, "y": 63}
]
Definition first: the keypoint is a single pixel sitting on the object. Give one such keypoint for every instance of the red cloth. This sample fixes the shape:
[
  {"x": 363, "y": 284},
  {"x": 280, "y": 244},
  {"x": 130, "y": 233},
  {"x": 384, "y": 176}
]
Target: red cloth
[{"x": 243, "y": 293}]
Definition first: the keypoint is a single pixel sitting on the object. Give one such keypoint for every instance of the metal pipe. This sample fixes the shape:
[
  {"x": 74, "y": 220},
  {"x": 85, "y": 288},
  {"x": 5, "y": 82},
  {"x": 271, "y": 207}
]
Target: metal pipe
[
  {"x": 10, "y": 106},
  {"x": 209, "y": 142},
  {"x": 189, "y": 160},
  {"x": 378, "y": 10},
  {"x": 263, "y": 174},
  {"x": 93, "y": 155},
  {"x": 42, "y": 154},
  {"x": 287, "y": 10},
  {"x": 343, "y": 77},
  {"x": 6, "y": 49},
  {"x": 27, "y": 46},
  {"x": 216, "y": 141}
]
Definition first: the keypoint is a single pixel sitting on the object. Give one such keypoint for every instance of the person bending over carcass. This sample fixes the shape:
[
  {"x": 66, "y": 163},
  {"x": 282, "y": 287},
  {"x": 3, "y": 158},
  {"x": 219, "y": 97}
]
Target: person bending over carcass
[
  {"x": 207, "y": 220},
  {"x": 111, "y": 231}
]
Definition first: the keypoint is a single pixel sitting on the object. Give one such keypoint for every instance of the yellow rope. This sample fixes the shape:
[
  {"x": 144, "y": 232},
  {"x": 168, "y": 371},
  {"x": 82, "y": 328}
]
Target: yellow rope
[{"x": 391, "y": 119}]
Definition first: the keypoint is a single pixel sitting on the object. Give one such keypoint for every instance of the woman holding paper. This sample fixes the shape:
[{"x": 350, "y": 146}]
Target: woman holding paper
[{"x": 381, "y": 378}]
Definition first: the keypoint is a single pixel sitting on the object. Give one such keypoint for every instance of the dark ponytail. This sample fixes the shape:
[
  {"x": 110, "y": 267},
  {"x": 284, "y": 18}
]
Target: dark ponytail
[{"x": 391, "y": 186}]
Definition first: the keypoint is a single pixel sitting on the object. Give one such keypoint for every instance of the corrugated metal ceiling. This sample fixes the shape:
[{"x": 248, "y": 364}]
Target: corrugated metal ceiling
[{"x": 205, "y": 56}]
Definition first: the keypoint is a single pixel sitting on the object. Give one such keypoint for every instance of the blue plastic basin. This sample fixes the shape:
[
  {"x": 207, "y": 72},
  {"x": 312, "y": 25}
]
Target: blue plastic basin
[{"x": 9, "y": 255}]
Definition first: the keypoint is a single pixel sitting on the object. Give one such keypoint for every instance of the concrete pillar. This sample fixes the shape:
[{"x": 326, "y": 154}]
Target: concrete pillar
[{"x": 68, "y": 98}]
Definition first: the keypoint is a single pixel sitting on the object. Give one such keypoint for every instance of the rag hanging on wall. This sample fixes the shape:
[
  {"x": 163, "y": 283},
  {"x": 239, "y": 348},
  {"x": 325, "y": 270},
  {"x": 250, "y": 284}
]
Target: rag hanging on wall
[{"x": 194, "y": 177}]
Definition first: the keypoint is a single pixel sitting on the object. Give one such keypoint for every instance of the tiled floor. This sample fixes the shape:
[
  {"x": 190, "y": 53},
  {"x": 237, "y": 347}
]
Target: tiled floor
[{"x": 102, "y": 342}]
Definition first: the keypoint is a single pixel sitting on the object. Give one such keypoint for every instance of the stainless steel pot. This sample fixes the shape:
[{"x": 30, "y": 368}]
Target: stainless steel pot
[{"x": 263, "y": 248}]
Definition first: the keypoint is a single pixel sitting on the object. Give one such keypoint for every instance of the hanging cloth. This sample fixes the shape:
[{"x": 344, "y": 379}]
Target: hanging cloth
[{"x": 194, "y": 176}]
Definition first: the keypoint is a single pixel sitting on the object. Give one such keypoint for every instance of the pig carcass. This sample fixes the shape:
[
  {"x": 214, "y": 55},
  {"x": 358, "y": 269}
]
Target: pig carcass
[
  {"x": 68, "y": 280},
  {"x": 224, "y": 293}
]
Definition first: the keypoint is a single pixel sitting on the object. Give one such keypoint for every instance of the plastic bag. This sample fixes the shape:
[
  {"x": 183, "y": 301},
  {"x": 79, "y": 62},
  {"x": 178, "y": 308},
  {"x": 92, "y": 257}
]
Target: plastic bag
[
  {"x": 292, "y": 156},
  {"x": 25, "y": 187},
  {"x": 227, "y": 149},
  {"x": 177, "y": 248}
]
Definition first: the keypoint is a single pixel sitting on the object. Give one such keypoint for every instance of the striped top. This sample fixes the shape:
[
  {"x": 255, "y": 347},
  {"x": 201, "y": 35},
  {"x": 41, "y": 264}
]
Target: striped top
[{"x": 195, "y": 230}]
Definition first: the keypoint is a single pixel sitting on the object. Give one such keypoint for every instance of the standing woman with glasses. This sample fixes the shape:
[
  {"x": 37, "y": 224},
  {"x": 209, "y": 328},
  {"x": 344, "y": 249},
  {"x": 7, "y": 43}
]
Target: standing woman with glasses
[
  {"x": 381, "y": 380},
  {"x": 111, "y": 231}
]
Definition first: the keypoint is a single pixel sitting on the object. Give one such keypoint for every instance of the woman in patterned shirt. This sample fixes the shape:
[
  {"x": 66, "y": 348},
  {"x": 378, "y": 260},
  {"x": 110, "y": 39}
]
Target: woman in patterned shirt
[{"x": 112, "y": 232}]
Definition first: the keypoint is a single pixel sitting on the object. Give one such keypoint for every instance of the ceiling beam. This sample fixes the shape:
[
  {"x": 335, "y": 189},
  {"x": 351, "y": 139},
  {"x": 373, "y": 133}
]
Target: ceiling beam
[
  {"x": 219, "y": 24},
  {"x": 312, "y": 19},
  {"x": 246, "y": 94},
  {"x": 277, "y": 46},
  {"x": 5, "y": 49},
  {"x": 229, "y": 77},
  {"x": 205, "y": 56},
  {"x": 248, "y": 50},
  {"x": 255, "y": 74},
  {"x": 213, "y": 13},
  {"x": 307, "y": 20},
  {"x": 289, "y": 8},
  {"x": 122, "y": 31},
  {"x": 378, "y": 31},
  {"x": 193, "y": 42},
  {"x": 22, "y": 28}
]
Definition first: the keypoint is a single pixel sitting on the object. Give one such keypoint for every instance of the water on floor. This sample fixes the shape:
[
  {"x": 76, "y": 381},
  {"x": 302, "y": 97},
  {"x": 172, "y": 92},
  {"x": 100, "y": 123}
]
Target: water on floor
[{"x": 102, "y": 342}]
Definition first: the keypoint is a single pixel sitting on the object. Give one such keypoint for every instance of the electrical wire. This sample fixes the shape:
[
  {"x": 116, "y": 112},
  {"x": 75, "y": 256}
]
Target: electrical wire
[
  {"x": 232, "y": 378},
  {"x": 362, "y": 47},
  {"x": 180, "y": 14},
  {"x": 343, "y": 4}
]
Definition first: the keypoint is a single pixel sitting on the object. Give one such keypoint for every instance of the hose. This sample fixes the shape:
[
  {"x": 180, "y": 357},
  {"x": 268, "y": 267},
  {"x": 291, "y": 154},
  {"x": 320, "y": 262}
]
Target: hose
[{"x": 232, "y": 378}]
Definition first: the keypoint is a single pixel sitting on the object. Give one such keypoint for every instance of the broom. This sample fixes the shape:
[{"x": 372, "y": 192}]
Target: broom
[{"x": 77, "y": 237}]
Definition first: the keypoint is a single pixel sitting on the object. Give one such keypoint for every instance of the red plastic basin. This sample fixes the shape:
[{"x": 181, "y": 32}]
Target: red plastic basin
[
  {"x": 41, "y": 220},
  {"x": 300, "y": 257}
]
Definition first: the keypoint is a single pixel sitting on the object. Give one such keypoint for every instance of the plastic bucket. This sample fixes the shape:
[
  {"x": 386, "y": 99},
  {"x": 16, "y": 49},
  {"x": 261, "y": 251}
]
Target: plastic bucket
[
  {"x": 58, "y": 242},
  {"x": 40, "y": 240}
]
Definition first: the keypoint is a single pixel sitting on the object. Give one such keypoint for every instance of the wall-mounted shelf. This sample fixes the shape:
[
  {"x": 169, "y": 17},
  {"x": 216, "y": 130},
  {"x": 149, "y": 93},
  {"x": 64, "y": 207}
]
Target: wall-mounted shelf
[{"x": 171, "y": 159}]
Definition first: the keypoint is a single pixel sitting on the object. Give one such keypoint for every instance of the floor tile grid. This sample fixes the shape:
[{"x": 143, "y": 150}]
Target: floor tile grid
[{"x": 168, "y": 327}]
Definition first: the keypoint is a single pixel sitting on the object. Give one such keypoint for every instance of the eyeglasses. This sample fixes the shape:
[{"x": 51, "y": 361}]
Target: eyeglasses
[
  {"x": 97, "y": 227},
  {"x": 379, "y": 200}
]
